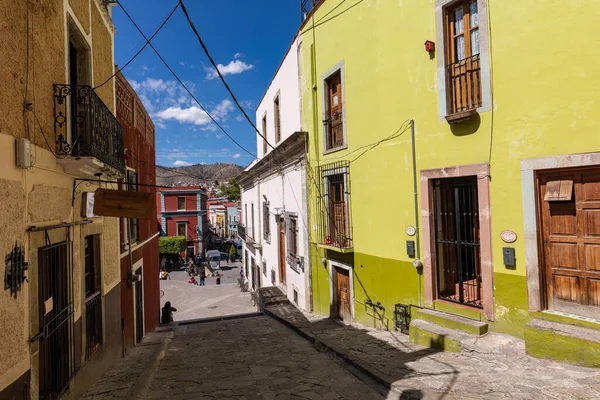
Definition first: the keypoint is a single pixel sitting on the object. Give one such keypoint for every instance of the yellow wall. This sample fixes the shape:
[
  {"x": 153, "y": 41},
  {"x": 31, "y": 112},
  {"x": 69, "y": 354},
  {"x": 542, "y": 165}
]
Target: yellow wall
[
  {"x": 41, "y": 195},
  {"x": 544, "y": 90}
]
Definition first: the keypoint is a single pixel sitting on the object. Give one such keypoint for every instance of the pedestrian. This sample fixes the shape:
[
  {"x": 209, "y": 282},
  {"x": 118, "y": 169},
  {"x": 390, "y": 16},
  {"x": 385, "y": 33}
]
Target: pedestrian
[
  {"x": 241, "y": 273},
  {"x": 164, "y": 275},
  {"x": 218, "y": 278},
  {"x": 202, "y": 278},
  {"x": 167, "y": 313},
  {"x": 193, "y": 281}
]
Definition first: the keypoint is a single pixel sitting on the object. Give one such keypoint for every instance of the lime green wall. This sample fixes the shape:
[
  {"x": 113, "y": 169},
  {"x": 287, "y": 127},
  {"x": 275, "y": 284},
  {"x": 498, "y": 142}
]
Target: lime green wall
[{"x": 544, "y": 95}]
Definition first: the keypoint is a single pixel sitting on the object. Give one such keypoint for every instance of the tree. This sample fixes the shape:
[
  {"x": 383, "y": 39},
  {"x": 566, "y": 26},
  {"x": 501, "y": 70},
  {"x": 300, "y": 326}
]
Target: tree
[
  {"x": 171, "y": 244},
  {"x": 231, "y": 190},
  {"x": 232, "y": 252}
]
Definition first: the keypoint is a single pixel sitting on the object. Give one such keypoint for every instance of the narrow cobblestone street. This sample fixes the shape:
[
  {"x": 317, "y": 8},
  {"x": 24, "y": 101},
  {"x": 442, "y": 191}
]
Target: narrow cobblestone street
[{"x": 287, "y": 354}]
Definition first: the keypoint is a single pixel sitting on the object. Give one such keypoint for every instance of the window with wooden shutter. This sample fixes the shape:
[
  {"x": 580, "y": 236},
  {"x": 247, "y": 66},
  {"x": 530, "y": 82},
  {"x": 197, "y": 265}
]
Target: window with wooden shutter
[
  {"x": 277, "y": 120},
  {"x": 334, "y": 118},
  {"x": 181, "y": 203},
  {"x": 463, "y": 69},
  {"x": 182, "y": 229},
  {"x": 559, "y": 190}
]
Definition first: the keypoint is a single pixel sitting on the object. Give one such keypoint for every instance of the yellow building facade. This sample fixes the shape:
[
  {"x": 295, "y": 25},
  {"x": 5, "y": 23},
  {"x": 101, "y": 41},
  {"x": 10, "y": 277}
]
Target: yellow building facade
[
  {"x": 60, "y": 327},
  {"x": 494, "y": 219}
]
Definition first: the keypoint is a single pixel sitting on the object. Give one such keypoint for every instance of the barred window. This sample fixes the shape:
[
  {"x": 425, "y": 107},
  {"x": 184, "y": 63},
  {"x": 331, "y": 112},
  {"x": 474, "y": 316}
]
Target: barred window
[
  {"x": 333, "y": 206},
  {"x": 132, "y": 186},
  {"x": 291, "y": 223}
]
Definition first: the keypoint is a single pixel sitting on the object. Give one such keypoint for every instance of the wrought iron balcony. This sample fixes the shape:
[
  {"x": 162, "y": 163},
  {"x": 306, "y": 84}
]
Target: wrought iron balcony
[{"x": 86, "y": 128}]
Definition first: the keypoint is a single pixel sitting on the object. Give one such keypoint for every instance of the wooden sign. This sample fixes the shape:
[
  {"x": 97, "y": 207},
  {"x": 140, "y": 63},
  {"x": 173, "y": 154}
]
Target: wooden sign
[{"x": 122, "y": 203}]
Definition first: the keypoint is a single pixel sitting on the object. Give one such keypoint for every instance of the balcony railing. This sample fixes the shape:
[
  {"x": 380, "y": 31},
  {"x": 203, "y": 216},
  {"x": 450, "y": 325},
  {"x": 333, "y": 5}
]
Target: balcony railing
[
  {"x": 334, "y": 130},
  {"x": 94, "y": 130},
  {"x": 464, "y": 85},
  {"x": 93, "y": 323}
]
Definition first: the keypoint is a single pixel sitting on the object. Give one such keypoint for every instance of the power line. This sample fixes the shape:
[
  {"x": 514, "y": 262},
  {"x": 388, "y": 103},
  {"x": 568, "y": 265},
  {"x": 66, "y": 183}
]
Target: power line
[
  {"x": 221, "y": 75},
  {"x": 182, "y": 84},
  {"x": 141, "y": 49}
]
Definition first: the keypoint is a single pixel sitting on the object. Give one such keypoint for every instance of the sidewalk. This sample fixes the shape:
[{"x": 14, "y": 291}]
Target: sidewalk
[{"x": 494, "y": 367}]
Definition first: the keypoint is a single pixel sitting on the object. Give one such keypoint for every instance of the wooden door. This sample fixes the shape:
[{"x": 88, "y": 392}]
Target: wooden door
[
  {"x": 282, "y": 251},
  {"x": 569, "y": 204},
  {"x": 342, "y": 286}
]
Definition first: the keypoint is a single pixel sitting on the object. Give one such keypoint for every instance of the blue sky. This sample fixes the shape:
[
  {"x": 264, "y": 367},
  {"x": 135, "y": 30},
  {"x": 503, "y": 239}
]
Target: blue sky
[{"x": 248, "y": 38}]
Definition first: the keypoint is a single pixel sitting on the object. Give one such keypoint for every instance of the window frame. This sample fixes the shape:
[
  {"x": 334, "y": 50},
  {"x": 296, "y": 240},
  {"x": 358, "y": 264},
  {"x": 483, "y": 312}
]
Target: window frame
[
  {"x": 264, "y": 133},
  {"x": 252, "y": 230},
  {"x": 182, "y": 223},
  {"x": 277, "y": 116},
  {"x": 266, "y": 222},
  {"x": 325, "y": 79},
  {"x": 132, "y": 185},
  {"x": 291, "y": 239},
  {"x": 441, "y": 6},
  {"x": 184, "y": 203}
]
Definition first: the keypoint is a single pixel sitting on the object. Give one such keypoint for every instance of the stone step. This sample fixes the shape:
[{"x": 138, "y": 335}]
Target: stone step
[
  {"x": 452, "y": 321},
  {"x": 432, "y": 335},
  {"x": 563, "y": 342}
]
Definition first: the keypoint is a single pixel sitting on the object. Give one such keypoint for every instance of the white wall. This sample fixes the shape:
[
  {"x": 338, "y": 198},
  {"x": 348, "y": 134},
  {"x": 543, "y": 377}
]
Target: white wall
[
  {"x": 283, "y": 189},
  {"x": 286, "y": 84}
]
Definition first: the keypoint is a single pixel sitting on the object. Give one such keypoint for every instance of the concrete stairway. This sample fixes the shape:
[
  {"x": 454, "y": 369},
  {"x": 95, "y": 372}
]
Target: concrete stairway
[
  {"x": 270, "y": 296},
  {"x": 445, "y": 331}
]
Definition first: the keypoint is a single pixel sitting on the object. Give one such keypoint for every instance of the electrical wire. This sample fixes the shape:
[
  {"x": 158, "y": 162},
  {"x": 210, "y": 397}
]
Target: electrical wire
[
  {"x": 183, "y": 85},
  {"x": 141, "y": 49},
  {"x": 329, "y": 19},
  {"x": 46, "y": 139},
  {"x": 221, "y": 75}
]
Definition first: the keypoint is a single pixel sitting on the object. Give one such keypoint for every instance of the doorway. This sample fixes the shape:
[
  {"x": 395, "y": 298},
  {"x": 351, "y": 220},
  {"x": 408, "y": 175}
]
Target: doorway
[
  {"x": 56, "y": 319},
  {"x": 342, "y": 308},
  {"x": 281, "y": 228},
  {"x": 139, "y": 305},
  {"x": 456, "y": 225},
  {"x": 569, "y": 219}
]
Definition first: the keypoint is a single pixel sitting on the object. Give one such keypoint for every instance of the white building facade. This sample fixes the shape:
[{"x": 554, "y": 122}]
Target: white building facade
[{"x": 274, "y": 199}]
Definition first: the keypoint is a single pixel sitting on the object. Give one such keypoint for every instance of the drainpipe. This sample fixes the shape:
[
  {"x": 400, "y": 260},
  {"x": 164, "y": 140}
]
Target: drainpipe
[{"x": 417, "y": 263}]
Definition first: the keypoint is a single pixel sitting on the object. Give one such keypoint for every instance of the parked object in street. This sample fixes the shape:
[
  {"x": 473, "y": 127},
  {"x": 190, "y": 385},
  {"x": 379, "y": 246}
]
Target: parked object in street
[
  {"x": 214, "y": 262},
  {"x": 167, "y": 313},
  {"x": 163, "y": 275}
]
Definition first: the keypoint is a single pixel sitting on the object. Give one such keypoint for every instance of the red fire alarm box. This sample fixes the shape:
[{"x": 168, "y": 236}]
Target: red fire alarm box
[{"x": 429, "y": 46}]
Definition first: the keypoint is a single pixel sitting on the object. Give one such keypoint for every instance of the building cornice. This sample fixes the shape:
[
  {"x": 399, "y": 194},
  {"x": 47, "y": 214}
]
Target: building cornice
[{"x": 290, "y": 150}]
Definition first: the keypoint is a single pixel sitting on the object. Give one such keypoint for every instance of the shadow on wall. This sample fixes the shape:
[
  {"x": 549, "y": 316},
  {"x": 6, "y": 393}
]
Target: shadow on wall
[{"x": 384, "y": 359}]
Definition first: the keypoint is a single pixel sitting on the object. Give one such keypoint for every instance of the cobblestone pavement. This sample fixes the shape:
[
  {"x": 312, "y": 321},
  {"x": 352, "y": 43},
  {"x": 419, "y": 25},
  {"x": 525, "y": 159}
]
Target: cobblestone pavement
[
  {"x": 250, "y": 358},
  {"x": 494, "y": 366}
]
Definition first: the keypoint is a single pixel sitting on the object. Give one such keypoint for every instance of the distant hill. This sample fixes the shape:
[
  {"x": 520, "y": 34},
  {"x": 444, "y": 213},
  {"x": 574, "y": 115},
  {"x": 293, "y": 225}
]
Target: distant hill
[{"x": 198, "y": 174}]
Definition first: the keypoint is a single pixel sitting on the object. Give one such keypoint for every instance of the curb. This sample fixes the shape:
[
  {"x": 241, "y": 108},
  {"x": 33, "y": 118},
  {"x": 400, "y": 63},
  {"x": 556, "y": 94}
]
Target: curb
[
  {"x": 324, "y": 347},
  {"x": 214, "y": 319},
  {"x": 139, "y": 389}
]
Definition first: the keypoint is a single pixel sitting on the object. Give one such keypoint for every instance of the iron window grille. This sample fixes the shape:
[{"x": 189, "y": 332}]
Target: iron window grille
[
  {"x": 95, "y": 131},
  {"x": 334, "y": 226},
  {"x": 15, "y": 267},
  {"x": 273, "y": 277},
  {"x": 93, "y": 301},
  {"x": 266, "y": 222},
  {"x": 57, "y": 363},
  {"x": 264, "y": 268},
  {"x": 291, "y": 224},
  {"x": 133, "y": 223}
]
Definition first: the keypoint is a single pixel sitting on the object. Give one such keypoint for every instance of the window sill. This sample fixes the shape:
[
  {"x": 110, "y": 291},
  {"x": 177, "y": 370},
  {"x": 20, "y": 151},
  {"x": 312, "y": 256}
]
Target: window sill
[
  {"x": 334, "y": 248},
  {"x": 335, "y": 149},
  {"x": 462, "y": 116}
]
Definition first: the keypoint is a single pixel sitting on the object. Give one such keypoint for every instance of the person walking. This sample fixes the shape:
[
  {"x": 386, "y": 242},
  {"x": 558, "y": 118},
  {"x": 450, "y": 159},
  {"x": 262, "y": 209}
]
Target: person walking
[
  {"x": 202, "y": 278},
  {"x": 167, "y": 313},
  {"x": 218, "y": 278}
]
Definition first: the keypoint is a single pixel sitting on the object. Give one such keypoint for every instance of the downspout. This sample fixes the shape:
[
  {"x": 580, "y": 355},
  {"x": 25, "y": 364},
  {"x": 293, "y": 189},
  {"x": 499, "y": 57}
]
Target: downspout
[{"x": 417, "y": 263}]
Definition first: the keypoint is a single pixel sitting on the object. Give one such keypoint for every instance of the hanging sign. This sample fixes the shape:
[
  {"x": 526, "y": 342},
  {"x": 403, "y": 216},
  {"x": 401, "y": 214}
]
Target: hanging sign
[
  {"x": 88, "y": 205},
  {"x": 410, "y": 230},
  {"x": 508, "y": 236},
  {"x": 122, "y": 203}
]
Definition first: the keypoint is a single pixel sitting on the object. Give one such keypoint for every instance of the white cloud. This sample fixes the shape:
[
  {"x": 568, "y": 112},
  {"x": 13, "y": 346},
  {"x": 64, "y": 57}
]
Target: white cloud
[
  {"x": 219, "y": 136},
  {"x": 239, "y": 118},
  {"x": 159, "y": 94},
  {"x": 182, "y": 63},
  {"x": 236, "y": 155},
  {"x": 238, "y": 55},
  {"x": 195, "y": 115},
  {"x": 223, "y": 109},
  {"x": 161, "y": 124},
  {"x": 192, "y": 115},
  {"x": 234, "y": 67},
  {"x": 181, "y": 163}
]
